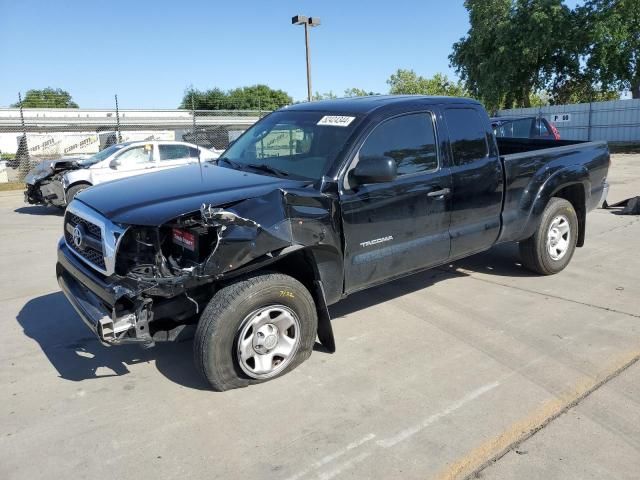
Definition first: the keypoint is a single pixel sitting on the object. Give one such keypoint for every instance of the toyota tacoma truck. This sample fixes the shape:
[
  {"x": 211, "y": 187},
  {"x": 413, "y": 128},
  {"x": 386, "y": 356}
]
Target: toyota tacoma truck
[{"x": 312, "y": 203}]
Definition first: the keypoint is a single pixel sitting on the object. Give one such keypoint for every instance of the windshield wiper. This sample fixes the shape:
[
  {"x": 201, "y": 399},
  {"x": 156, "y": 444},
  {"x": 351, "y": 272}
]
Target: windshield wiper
[
  {"x": 230, "y": 162},
  {"x": 266, "y": 168}
]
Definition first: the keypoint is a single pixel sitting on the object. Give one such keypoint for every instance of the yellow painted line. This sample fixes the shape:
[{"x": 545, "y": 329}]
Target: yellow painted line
[{"x": 495, "y": 448}]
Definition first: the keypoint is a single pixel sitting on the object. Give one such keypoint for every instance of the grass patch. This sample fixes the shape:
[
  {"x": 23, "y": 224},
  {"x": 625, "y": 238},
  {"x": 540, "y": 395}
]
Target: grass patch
[{"x": 8, "y": 186}]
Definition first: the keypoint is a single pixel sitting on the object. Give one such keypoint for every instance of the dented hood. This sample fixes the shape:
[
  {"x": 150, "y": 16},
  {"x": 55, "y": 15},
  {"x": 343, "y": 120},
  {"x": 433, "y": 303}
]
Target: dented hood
[
  {"x": 47, "y": 168},
  {"x": 156, "y": 198}
]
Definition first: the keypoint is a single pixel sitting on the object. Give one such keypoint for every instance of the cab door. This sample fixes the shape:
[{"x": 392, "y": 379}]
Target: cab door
[
  {"x": 397, "y": 227},
  {"x": 478, "y": 184}
]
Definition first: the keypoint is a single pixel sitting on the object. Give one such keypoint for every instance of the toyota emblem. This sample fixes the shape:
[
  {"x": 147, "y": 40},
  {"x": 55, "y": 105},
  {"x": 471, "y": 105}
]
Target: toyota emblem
[{"x": 78, "y": 238}]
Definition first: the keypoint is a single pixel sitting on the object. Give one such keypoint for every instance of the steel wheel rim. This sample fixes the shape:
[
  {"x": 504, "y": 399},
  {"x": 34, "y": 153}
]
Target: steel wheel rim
[
  {"x": 267, "y": 341},
  {"x": 558, "y": 237}
]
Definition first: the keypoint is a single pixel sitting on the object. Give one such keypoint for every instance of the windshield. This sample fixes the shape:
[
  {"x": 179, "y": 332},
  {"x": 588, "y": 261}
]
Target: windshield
[
  {"x": 292, "y": 143},
  {"x": 102, "y": 155}
]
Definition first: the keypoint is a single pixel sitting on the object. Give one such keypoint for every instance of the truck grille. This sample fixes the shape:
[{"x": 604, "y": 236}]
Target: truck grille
[
  {"x": 92, "y": 237},
  {"x": 93, "y": 229},
  {"x": 91, "y": 250}
]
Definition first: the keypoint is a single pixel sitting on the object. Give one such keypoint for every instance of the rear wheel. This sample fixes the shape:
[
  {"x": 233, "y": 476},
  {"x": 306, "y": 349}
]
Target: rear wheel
[
  {"x": 550, "y": 248},
  {"x": 255, "y": 330}
]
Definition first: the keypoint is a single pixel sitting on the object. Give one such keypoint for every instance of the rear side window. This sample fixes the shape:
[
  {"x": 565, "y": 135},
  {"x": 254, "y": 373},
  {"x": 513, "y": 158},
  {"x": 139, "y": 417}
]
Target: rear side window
[
  {"x": 174, "y": 152},
  {"x": 543, "y": 130},
  {"x": 409, "y": 140},
  {"x": 522, "y": 128},
  {"x": 467, "y": 134}
]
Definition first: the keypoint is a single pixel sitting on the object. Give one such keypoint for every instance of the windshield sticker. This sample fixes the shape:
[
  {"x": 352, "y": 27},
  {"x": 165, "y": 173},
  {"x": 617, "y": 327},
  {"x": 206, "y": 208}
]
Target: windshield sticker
[{"x": 336, "y": 120}]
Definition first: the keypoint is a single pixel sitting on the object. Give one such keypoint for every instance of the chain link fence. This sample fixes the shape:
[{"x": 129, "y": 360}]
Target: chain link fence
[{"x": 29, "y": 136}]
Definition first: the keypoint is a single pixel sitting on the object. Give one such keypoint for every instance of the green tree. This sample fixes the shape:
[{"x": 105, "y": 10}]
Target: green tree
[
  {"x": 258, "y": 96},
  {"x": 255, "y": 97},
  {"x": 358, "y": 92},
  {"x": 214, "y": 99},
  {"x": 513, "y": 49},
  {"x": 612, "y": 30},
  {"x": 581, "y": 89},
  {"x": 409, "y": 82},
  {"x": 540, "y": 99},
  {"x": 324, "y": 96},
  {"x": 47, "y": 98}
]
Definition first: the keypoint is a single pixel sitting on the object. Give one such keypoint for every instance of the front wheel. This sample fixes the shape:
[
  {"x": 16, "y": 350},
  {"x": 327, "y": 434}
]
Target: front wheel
[
  {"x": 75, "y": 190},
  {"x": 550, "y": 248},
  {"x": 255, "y": 330}
]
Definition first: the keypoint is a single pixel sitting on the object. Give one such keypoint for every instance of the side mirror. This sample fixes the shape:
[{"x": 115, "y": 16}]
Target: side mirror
[
  {"x": 115, "y": 163},
  {"x": 375, "y": 170}
]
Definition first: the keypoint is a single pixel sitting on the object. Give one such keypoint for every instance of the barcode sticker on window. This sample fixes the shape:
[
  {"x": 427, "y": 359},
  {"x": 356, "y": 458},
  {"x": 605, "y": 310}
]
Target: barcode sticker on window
[{"x": 336, "y": 120}]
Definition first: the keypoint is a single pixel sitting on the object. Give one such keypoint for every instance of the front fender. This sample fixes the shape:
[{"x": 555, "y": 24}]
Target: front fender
[{"x": 72, "y": 177}]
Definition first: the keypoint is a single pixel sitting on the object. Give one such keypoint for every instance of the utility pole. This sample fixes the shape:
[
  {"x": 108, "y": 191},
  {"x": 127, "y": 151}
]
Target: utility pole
[
  {"x": 193, "y": 114},
  {"x": 118, "y": 121},
  {"x": 307, "y": 22}
]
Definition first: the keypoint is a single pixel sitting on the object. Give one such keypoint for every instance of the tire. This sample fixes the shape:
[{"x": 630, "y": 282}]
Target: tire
[
  {"x": 75, "y": 190},
  {"x": 550, "y": 248},
  {"x": 237, "y": 315}
]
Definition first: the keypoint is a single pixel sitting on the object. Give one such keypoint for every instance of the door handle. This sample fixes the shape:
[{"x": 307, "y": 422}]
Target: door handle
[{"x": 439, "y": 193}]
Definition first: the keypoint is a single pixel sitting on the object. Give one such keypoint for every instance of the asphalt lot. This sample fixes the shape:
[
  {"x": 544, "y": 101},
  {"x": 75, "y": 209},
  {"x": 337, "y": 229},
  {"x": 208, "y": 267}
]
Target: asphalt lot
[{"x": 436, "y": 376}]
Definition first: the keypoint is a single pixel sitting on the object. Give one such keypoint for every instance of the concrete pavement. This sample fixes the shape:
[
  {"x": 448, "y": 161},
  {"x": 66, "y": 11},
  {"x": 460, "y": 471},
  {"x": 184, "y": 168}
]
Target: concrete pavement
[{"x": 436, "y": 375}]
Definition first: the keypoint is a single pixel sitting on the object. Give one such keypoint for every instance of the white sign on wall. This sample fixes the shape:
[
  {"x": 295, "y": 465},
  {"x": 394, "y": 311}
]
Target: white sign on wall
[
  {"x": 61, "y": 144},
  {"x": 561, "y": 117}
]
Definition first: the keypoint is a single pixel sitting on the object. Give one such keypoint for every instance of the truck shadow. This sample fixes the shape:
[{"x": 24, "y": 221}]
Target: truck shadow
[
  {"x": 77, "y": 355},
  {"x": 502, "y": 260},
  {"x": 40, "y": 210}
]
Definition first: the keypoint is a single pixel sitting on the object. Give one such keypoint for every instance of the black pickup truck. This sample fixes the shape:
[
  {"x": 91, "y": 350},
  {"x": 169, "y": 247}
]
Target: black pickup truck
[{"x": 312, "y": 203}]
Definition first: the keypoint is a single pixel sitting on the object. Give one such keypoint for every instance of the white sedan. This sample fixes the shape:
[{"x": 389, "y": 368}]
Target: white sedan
[{"x": 58, "y": 183}]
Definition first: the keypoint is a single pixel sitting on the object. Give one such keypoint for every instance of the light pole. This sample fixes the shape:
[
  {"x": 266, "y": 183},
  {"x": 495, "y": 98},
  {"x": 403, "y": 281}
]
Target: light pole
[{"x": 307, "y": 22}]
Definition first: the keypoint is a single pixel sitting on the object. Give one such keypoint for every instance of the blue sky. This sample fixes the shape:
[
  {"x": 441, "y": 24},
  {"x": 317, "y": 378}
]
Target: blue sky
[{"x": 148, "y": 52}]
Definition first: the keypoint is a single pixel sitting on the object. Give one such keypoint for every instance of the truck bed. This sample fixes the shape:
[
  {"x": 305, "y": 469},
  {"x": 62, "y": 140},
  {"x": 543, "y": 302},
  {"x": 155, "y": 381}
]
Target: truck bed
[
  {"x": 532, "y": 166},
  {"x": 508, "y": 146}
]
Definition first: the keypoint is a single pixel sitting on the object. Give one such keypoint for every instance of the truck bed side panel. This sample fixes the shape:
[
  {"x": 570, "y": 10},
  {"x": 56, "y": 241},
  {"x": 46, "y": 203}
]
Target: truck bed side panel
[{"x": 533, "y": 177}]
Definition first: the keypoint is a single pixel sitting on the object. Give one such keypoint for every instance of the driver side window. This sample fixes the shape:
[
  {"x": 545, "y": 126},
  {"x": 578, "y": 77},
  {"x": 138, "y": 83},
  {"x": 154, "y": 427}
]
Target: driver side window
[
  {"x": 136, "y": 156},
  {"x": 409, "y": 140}
]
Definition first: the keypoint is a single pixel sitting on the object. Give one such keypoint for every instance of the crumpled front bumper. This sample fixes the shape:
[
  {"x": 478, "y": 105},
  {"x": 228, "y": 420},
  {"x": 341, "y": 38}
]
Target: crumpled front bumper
[
  {"x": 45, "y": 192},
  {"x": 96, "y": 299}
]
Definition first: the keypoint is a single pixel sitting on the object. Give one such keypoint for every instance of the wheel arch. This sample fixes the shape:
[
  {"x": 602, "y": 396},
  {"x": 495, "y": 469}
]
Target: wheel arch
[
  {"x": 319, "y": 269},
  {"x": 576, "y": 196},
  {"x": 79, "y": 182},
  {"x": 570, "y": 183}
]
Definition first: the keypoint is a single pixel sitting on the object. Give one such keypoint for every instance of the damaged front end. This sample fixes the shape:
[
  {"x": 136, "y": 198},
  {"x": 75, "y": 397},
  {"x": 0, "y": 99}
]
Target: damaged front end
[
  {"x": 155, "y": 280},
  {"x": 44, "y": 185}
]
